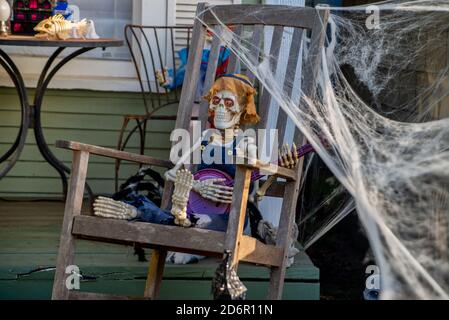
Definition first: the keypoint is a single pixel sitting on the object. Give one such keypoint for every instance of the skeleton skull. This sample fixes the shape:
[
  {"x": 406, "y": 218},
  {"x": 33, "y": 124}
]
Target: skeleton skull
[{"x": 226, "y": 110}]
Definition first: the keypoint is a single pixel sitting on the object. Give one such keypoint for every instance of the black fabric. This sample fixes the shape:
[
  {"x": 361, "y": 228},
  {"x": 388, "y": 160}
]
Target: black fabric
[
  {"x": 138, "y": 184},
  {"x": 226, "y": 284}
]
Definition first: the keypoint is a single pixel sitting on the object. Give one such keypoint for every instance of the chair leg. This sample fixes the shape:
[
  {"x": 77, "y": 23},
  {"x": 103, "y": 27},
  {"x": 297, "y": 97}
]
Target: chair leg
[
  {"x": 74, "y": 202},
  {"x": 155, "y": 273},
  {"x": 283, "y": 239},
  {"x": 238, "y": 212}
]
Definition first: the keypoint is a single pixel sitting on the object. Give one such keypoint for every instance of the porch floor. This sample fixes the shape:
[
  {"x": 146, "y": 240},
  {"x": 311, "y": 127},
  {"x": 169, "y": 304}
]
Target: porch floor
[{"x": 29, "y": 237}]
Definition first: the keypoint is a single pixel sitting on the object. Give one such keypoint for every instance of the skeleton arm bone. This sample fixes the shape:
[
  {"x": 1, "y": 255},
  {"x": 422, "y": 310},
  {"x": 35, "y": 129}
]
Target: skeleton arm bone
[
  {"x": 210, "y": 188},
  {"x": 170, "y": 175}
]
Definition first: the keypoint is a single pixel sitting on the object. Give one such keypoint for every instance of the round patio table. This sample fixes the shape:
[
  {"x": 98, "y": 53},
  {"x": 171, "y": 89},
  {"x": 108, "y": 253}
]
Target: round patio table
[{"x": 31, "y": 113}]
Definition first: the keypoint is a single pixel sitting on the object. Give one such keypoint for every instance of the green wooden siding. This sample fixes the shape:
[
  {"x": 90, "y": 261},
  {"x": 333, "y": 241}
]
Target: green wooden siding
[{"x": 86, "y": 116}]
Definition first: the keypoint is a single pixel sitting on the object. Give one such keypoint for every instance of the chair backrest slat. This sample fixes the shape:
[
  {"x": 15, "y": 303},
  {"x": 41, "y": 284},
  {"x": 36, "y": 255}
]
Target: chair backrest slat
[
  {"x": 292, "y": 64},
  {"x": 311, "y": 66},
  {"x": 265, "y": 99},
  {"x": 210, "y": 73},
  {"x": 233, "y": 65},
  {"x": 255, "y": 49},
  {"x": 192, "y": 74}
]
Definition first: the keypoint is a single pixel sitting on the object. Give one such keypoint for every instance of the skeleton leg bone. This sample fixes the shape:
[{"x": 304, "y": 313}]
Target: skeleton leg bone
[
  {"x": 263, "y": 189},
  {"x": 183, "y": 185},
  {"x": 109, "y": 208}
]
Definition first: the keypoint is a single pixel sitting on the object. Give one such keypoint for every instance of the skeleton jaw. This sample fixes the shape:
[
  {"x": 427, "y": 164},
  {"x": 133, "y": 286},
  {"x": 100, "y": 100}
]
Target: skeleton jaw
[{"x": 225, "y": 119}]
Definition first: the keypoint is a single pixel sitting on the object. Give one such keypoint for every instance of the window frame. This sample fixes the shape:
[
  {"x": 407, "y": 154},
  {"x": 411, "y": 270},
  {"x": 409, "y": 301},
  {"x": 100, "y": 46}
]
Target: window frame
[{"x": 93, "y": 73}]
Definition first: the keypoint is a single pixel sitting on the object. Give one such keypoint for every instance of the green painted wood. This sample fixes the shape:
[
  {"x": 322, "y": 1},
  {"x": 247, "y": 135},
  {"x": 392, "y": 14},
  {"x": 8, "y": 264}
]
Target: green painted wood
[
  {"x": 86, "y": 116},
  {"x": 104, "y": 138},
  {"x": 29, "y": 237},
  {"x": 170, "y": 289}
]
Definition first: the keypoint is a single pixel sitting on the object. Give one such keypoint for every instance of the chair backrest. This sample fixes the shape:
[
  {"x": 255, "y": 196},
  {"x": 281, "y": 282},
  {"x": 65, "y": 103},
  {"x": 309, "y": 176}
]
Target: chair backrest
[
  {"x": 253, "y": 19},
  {"x": 294, "y": 22},
  {"x": 153, "y": 49}
]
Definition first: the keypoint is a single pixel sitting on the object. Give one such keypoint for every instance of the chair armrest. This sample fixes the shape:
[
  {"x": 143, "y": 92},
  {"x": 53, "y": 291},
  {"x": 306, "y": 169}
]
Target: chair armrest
[
  {"x": 268, "y": 168},
  {"x": 112, "y": 153}
]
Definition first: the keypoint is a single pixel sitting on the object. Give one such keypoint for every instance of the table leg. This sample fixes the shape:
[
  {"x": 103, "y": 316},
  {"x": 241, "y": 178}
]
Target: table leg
[
  {"x": 44, "y": 80},
  {"x": 12, "y": 155}
]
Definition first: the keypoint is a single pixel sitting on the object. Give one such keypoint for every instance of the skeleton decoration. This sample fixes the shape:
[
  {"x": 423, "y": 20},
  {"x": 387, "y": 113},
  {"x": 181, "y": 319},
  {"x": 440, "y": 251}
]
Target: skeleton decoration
[
  {"x": 183, "y": 185},
  {"x": 288, "y": 158},
  {"x": 212, "y": 189},
  {"x": 231, "y": 104},
  {"x": 109, "y": 208},
  {"x": 231, "y": 101},
  {"x": 57, "y": 28}
]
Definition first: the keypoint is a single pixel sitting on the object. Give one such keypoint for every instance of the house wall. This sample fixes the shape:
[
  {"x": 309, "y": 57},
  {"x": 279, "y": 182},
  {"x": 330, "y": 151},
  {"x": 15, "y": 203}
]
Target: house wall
[{"x": 86, "y": 116}]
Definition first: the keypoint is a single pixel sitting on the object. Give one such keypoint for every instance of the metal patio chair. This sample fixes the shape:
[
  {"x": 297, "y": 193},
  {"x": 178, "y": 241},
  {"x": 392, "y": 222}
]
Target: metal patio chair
[{"x": 153, "y": 49}]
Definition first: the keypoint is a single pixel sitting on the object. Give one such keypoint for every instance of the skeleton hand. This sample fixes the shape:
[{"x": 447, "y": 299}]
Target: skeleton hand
[
  {"x": 183, "y": 185},
  {"x": 288, "y": 158},
  {"x": 109, "y": 208},
  {"x": 212, "y": 189}
]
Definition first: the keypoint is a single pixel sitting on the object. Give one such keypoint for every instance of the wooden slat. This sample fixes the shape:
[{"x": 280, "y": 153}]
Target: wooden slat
[
  {"x": 171, "y": 238},
  {"x": 255, "y": 49},
  {"x": 155, "y": 273},
  {"x": 112, "y": 153},
  {"x": 283, "y": 237},
  {"x": 233, "y": 65},
  {"x": 276, "y": 15},
  {"x": 312, "y": 64},
  {"x": 251, "y": 250},
  {"x": 238, "y": 213},
  {"x": 210, "y": 73},
  {"x": 74, "y": 202},
  {"x": 292, "y": 64},
  {"x": 277, "y": 190},
  {"x": 268, "y": 168},
  {"x": 192, "y": 74},
  {"x": 190, "y": 84},
  {"x": 265, "y": 99}
]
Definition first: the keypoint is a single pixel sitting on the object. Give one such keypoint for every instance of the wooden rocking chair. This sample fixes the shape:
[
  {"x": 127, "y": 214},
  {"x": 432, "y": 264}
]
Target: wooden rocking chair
[{"x": 163, "y": 238}]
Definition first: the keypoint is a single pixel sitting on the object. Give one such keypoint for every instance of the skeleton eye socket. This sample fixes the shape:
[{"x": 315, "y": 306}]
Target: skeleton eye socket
[
  {"x": 216, "y": 100},
  {"x": 228, "y": 102},
  {"x": 47, "y": 25}
]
